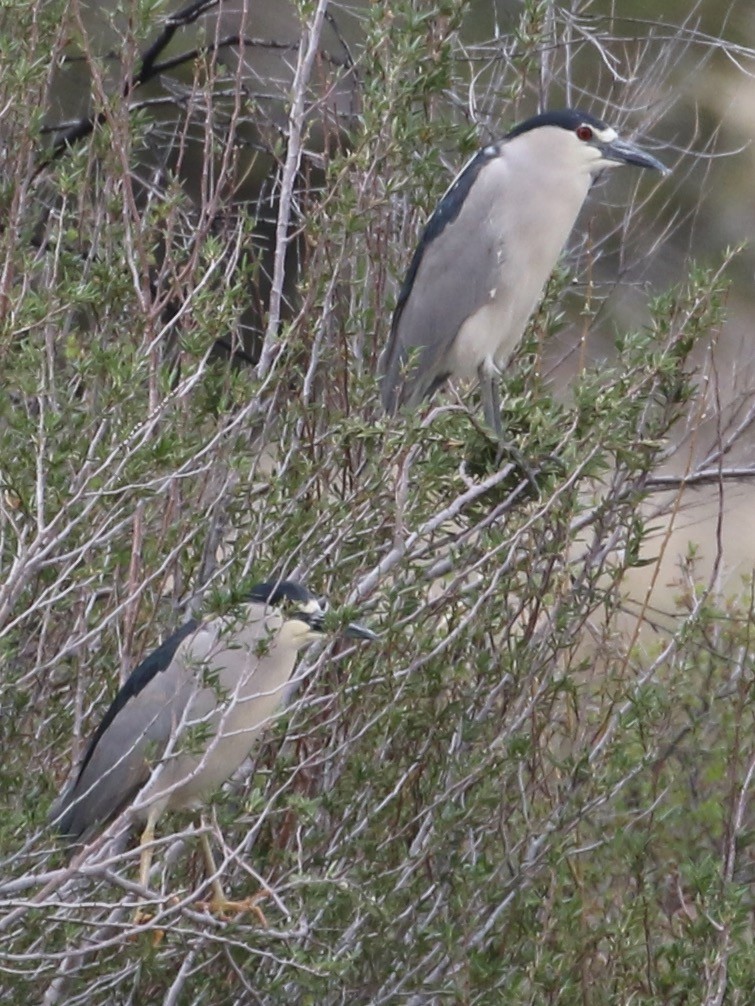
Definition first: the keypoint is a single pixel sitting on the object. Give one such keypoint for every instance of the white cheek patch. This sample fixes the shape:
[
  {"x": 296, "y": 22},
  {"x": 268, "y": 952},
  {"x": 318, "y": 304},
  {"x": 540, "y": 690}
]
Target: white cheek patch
[
  {"x": 311, "y": 607},
  {"x": 299, "y": 627},
  {"x": 297, "y": 632},
  {"x": 607, "y": 135}
]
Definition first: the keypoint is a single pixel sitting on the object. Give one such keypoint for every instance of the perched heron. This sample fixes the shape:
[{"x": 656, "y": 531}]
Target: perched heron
[
  {"x": 487, "y": 252},
  {"x": 188, "y": 716}
]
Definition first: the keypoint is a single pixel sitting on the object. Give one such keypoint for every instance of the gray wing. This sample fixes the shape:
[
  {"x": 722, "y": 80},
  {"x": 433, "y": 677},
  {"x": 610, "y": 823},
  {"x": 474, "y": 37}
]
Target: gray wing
[
  {"x": 131, "y": 737},
  {"x": 454, "y": 269}
]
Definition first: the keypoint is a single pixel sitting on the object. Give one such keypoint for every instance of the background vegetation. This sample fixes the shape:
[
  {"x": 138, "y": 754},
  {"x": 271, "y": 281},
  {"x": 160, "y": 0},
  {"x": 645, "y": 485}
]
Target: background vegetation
[{"x": 536, "y": 787}]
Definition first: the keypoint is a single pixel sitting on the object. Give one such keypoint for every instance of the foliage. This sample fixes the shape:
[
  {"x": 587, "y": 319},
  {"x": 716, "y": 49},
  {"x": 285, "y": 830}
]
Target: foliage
[{"x": 522, "y": 793}]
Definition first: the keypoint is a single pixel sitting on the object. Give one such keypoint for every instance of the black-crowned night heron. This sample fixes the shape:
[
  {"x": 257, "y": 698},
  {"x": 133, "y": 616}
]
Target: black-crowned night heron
[
  {"x": 487, "y": 252},
  {"x": 188, "y": 716}
]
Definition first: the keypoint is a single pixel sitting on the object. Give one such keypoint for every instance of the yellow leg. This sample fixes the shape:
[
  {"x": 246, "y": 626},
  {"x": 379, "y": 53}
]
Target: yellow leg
[
  {"x": 145, "y": 842},
  {"x": 145, "y": 861},
  {"x": 219, "y": 904}
]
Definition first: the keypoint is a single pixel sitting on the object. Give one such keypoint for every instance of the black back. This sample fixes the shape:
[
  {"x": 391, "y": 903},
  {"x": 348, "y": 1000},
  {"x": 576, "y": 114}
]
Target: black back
[
  {"x": 280, "y": 590},
  {"x": 160, "y": 659},
  {"x": 445, "y": 213}
]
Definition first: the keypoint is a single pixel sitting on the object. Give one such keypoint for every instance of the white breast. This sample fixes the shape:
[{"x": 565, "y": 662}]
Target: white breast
[
  {"x": 534, "y": 205},
  {"x": 225, "y": 717}
]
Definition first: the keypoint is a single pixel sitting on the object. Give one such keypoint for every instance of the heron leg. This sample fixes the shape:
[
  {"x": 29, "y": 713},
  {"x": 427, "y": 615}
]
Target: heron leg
[
  {"x": 145, "y": 862},
  {"x": 145, "y": 843},
  {"x": 219, "y": 904},
  {"x": 488, "y": 379}
]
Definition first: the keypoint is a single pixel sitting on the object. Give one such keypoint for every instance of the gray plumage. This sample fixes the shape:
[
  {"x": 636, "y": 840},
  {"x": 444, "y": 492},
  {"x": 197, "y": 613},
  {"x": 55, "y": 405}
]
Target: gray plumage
[
  {"x": 189, "y": 715},
  {"x": 487, "y": 252}
]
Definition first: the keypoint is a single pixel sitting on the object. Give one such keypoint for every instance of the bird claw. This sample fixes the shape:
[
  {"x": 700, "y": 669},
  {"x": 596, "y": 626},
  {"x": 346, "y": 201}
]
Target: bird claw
[
  {"x": 141, "y": 918},
  {"x": 225, "y": 908},
  {"x": 520, "y": 462}
]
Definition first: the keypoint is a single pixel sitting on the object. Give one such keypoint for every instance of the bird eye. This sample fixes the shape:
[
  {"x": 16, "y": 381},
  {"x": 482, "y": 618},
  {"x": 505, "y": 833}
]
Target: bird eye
[{"x": 584, "y": 133}]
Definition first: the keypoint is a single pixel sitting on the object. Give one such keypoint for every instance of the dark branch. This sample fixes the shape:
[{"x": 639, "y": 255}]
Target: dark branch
[
  {"x": 179, "y": 20},
  {"x": 149, "y": 68}
]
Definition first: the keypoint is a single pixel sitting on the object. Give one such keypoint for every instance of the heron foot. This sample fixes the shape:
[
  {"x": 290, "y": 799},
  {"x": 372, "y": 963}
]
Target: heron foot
[
  {"x": 508, "y": 449},
  {"x": 226, "y": 908},
  {"x": 141, "y": 917}
]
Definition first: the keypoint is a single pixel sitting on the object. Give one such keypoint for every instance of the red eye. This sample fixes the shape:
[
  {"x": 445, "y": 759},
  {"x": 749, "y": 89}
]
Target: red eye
[{"x": 584, "y": 133}]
